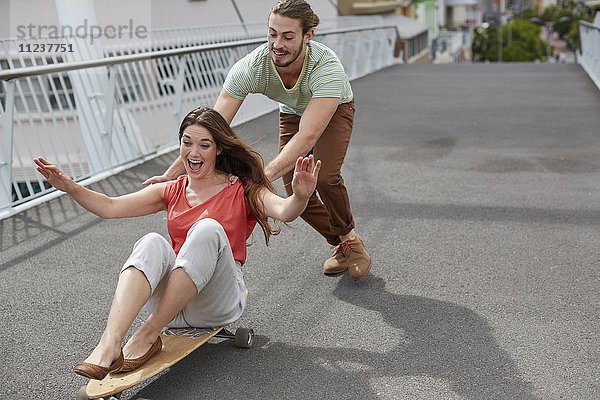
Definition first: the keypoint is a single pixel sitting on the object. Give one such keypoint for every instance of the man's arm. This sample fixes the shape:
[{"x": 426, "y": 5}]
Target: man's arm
[
  {"x": 227, "y": 106},
  {"x": 315, "y": 119},
  {"x": 176, "y": 169}
]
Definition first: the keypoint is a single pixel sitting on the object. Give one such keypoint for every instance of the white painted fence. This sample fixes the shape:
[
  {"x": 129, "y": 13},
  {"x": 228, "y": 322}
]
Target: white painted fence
[
  {"x": 97, "y": 117},
  {"x": 589, "y": 58}
]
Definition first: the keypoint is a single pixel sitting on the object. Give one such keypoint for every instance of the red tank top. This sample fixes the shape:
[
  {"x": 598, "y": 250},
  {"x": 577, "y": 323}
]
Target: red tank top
[{"x": 229, "y": 207}]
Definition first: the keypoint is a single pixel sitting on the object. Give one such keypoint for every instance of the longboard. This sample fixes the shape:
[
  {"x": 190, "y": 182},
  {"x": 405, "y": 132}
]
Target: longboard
[{"x": 177, "y": 344}]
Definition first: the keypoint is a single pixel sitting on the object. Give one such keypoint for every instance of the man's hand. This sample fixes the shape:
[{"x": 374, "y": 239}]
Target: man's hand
[
  {"x": 176, "y": 169},
  {"x": 156, "y": 179}
]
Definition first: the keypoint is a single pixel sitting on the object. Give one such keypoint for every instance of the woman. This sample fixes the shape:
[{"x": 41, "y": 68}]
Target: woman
[{"x": 196, "y": 280}]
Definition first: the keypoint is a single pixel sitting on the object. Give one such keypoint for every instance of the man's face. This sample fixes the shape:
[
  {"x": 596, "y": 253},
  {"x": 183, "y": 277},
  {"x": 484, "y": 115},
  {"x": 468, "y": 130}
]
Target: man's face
[{"x": 286, "y": 41}]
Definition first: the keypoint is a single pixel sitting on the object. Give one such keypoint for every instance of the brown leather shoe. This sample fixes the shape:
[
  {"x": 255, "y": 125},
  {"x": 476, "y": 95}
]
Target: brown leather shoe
[
  {"x": 131, "y": 364},
  {"x": 93, "y": 371},
  {"x": 359, "y": 262},
  {"x": 336, "y": 264}
]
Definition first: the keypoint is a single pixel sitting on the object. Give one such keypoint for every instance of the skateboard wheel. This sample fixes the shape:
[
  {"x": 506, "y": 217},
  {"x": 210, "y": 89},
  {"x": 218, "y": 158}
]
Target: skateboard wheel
[
  {"x": 82, "y": 394},
  {"x": 244, "y": 338}
]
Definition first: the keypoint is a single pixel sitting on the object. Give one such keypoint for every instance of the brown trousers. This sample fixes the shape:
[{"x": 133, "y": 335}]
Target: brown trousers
[{"x": 328, "y": 213}]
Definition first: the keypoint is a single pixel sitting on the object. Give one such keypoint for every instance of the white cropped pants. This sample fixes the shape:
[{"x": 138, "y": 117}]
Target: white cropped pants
[{"x": 207, "y": 258}]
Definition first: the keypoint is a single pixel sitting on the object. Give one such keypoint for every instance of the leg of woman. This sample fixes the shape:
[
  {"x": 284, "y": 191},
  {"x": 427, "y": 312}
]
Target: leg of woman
[
  {"x": 150, "y": 260},
  {"x": 218, "y": 277},
  {"x": 202, "y": 284},
  {"x": 178, "y": 292},
  {"x": 133, "y": 290}
]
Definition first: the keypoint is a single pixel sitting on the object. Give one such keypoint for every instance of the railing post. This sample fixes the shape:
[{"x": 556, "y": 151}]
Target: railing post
[
  {"x": 589, "y": 57},
  {"x": 87, "y": 84},
  {"x": 354, "y": 46},
  {"x": 109, "y": 116},
  {"x": 6, "y": 147},
  {"x": 178, "y": 87}
]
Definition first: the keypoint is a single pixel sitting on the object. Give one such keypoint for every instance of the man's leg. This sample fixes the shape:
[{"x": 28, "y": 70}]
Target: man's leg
[
  {"x": 331, "y": 149},
  {"x": 331, "y": 215},
  {"x": 315, "y": 214}
]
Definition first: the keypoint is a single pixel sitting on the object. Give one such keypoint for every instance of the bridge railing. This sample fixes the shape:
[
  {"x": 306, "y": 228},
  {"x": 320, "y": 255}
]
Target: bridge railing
[
  {"x": 451, "y": 46},
  {"x": 589, "y": 58},
  {"x": 97, "y": 117}
]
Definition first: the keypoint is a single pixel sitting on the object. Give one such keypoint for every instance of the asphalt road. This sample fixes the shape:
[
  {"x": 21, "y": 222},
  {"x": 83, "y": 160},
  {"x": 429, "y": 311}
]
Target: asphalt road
[{"x": 476, "y": 190}]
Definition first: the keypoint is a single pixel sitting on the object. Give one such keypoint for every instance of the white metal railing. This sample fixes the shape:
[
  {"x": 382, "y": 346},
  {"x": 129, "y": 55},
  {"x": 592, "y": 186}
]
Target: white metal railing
[
  {"x": 96, "y": 117},
  {"x": 450, "y": 46},
  {"x": 157, "y": 39},
  {"x": 589, "y": 58}
]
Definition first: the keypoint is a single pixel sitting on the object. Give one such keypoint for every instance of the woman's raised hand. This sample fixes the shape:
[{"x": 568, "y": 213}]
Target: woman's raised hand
[
  {"x": 305, "y": 176},
  {"x": 54, "y": 175}
]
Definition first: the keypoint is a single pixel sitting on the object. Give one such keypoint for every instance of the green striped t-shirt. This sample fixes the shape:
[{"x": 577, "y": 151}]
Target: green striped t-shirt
[{"x": 322, "y": 76}]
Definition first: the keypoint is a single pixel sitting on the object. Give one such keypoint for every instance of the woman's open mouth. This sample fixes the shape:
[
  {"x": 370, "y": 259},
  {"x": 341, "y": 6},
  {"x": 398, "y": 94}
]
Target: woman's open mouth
[{"x": 194, "y": 165}]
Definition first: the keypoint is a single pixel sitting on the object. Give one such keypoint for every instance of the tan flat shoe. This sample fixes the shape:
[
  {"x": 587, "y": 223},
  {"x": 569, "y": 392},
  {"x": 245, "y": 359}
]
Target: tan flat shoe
[
  {"x": 131, "y": 364},
  {"x": 93, "y": 371}
]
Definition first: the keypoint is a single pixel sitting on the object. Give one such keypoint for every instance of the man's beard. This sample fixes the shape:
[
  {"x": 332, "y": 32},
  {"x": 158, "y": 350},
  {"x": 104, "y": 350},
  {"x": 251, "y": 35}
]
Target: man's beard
[{"x": 294, "y": 55}]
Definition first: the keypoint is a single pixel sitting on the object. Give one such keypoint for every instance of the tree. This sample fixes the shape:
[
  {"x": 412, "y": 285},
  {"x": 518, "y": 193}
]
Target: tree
[
  {"x": 520, "y": 42},
  {"x": 521, "y": 38},
  {"x": 524, "y": 43},
  {"x": 575, "y": 11}
]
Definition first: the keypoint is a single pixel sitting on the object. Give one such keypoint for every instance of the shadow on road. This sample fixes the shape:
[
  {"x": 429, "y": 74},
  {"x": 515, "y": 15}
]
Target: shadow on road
[
  {"x": 442, "y": 344},
  {"x": 40, "y": 228}
]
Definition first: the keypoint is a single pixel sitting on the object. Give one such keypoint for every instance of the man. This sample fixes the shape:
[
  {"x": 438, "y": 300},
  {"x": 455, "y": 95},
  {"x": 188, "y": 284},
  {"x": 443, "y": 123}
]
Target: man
[{"x": 316, "y": 115}]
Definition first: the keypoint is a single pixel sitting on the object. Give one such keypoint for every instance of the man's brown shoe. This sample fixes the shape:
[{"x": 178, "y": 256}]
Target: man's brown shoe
[
  {"x": 336, "y": 264},
  {"x": 357, "y": 258}
]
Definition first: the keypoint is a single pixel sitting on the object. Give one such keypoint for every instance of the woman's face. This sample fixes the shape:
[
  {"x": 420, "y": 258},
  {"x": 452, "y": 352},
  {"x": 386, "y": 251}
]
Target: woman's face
[{"x": 198, "y": 151}]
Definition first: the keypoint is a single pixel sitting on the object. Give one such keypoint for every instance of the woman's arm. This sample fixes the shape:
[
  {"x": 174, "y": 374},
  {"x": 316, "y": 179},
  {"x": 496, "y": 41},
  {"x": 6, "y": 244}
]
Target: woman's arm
[
  {"x": 304, "y": 183},
  {"x": 147, "y": 201}
]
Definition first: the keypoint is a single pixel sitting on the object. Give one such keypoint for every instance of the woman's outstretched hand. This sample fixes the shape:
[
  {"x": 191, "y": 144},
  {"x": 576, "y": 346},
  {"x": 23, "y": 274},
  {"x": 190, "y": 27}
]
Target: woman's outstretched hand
[
  {"x": 305, "y": 176},
  {"x": 54, "y": 175}
]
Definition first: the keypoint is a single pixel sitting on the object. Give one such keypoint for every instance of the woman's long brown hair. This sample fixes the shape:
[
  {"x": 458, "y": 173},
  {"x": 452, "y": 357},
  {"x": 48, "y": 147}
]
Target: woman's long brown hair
[{"x": 236, "y": 158}]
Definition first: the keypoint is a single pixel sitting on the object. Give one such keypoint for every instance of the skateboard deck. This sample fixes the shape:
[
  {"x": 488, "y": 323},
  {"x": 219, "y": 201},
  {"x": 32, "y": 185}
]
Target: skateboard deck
[{"x": 177, "y": 344}]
